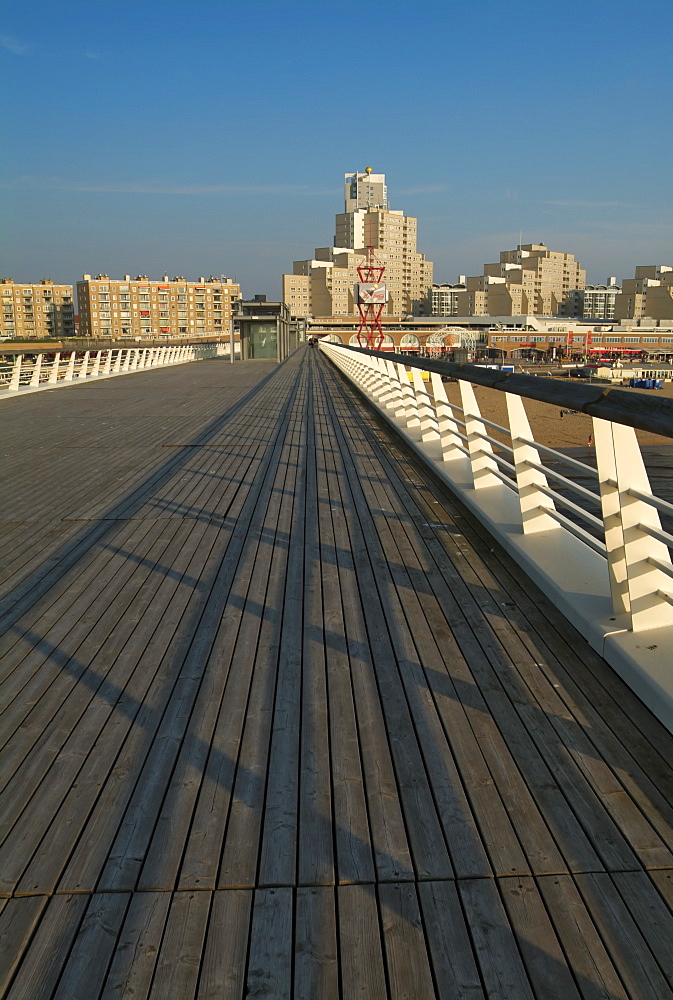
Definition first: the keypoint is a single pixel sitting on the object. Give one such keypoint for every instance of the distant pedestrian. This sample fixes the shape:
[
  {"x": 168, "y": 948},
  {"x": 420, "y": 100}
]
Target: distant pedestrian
[
  {"x": 590, "y": 442},
  {"x": 561, "y": 414}
]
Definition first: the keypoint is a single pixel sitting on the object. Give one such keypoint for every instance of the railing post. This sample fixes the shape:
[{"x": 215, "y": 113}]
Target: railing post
[
  {"x": 369, "y": 374},
  {"x": 534, "y": 503},
  {"x": 96, "y": 364},
  {"x": 15, "y": 380},
  {"x": 481, "y": 452},
  {"x": 84, "y": 366},
  {"x": 35, "y": 377},
  {"x": 394, "y": 400},
  {"x": 636, "y": 581},
  {"x": 127, "y": 361},
  {"x": 426, "y": 409},
  {"x": 53, "y": 374},
  {"x": 408, "y": 397},
  {"x": 108, "y": 363},
  {"x": 449, "y": 434},
  {"x": 70, "y": 370},
  {"x": 118, "y": 362}
]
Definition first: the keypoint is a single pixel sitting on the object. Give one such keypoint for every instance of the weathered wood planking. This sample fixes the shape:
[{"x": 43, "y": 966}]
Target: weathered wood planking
[{"x": 280, "y": 721}]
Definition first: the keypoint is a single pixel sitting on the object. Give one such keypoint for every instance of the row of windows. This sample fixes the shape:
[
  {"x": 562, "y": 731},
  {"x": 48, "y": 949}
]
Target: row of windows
[
  {"x": 182, "y": 289},
  {"x": 579, "y": 339}
]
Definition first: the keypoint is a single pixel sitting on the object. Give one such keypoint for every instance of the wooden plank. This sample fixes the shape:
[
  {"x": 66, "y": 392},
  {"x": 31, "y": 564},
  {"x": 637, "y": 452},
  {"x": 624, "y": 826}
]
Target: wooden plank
[
  {"x": 315, "y": 856},
  {"x": 136, "y": 831},
  {"x": 96, "y": 645},
  {"x": 41, "y": 968},
  {"x": 241, "y": 848},
  {"x": 179, "y": 959},
  {"x": 85, "y": 970},
  {"x": 585, "y": 674},
  {"x": 589, "y": 688},
  {"x": 116, "y": 697},
  {"x": 494, "y": 942},
  {"x": 388, "y": 833},
  {"x": 316, "y": 966},
  {"x": 634, "y": 827},
  {"x": 626, "y": 945},
  {"x": 586, "y": 955},
  {"x": 664, "y": 882},
  {"x": 51, "y": 570},
  {"x": 429, "y": 851},
  {"x": 605, "y": 836},
  {"x": 241, "y": 624},
  {"x": 278, "y": 856},
  {"x": 453, "y": 961},
  {"x": 90, "y": 855},
  {"x": 651, "y": 915},
  {"x": 406, "y": 948},
  {"x": 241, "y": 845},
  {"x": 540, "y": 947},
  {"x": 46, "y": 620},
  {"x": 224, "y": 958},
  {"x": 166, "y": 850},
  {"x": 138, "y": 945},
  {"x": 302, "y": 544},
  {"x": 408, "y": 547},
  {"x": 270, "y": 961},
  {"x": 360, "y": 951},
  {"x": 17, "y": 923},
  {"x": 586, "y": 710},
  {"x": 447, "y": 787},
  {"x": 353, "y": 848},
  {"x": 505, "y": 851}
]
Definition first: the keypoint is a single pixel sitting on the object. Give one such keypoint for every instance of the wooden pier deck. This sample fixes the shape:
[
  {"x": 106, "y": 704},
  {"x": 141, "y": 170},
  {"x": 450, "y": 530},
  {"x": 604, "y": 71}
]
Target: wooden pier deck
[{"x": 279, "y": 720}]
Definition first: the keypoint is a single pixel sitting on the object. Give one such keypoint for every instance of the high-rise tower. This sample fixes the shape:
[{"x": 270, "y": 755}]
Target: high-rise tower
[
  {"x": 366, "y": 190},
  {"x": 324, "y": 285}
]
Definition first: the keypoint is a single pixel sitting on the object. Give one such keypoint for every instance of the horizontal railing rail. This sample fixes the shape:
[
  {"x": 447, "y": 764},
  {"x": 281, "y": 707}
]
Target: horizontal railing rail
[
  {"x": 622, "y": 516},
  {"x": 41, "y": 370},
  {"x": 653, "y": 414}
]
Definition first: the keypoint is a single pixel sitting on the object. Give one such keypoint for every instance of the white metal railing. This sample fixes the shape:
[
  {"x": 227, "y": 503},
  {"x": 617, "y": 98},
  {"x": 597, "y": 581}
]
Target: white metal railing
[
  {"x": 44, "y": 370},
  {"x": 623, "y": 530}
]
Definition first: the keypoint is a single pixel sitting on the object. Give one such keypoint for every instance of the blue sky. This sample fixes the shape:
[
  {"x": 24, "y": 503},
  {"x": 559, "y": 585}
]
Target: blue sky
[{"x": 213, "y": 138}]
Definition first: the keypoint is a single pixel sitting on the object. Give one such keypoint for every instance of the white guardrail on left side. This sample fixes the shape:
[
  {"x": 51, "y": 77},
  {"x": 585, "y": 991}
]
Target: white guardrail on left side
[
  {"x": 46, "y": 371},
  {"x": 613, "y": 579}
]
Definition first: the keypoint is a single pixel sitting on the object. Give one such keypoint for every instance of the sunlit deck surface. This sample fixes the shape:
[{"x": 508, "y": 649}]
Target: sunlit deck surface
[{"x": 281, "y": 721}]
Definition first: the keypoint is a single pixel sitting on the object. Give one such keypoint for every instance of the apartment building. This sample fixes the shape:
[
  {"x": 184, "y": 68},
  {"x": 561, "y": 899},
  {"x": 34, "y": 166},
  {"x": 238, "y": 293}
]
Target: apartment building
[
  {"x": 445, "y": 299},
  {"x": 35, "y": 310},
  {"x": 528, "y": 281},
  {"x": 326, "y": 288},
  {"x": 595, "y": 301},
  {"x": 365, "y": 191},
  {"x": 158, "y": 308},
  {"x": 548, "y": 277},
  {"x": 648, "y": 294}
]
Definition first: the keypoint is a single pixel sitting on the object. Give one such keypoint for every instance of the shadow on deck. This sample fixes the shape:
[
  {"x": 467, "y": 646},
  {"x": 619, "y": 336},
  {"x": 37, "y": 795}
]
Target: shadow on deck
[{"x": 279, "y": 720}]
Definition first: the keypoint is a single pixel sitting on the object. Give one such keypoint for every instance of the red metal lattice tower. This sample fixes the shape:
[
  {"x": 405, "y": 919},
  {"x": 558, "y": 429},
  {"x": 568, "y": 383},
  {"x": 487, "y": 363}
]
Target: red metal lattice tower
[{"x": 370, "y": 273}]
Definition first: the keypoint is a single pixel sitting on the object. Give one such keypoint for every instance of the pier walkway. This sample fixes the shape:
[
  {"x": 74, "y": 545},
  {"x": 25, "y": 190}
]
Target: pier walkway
[{"x": 280, "y": 720}]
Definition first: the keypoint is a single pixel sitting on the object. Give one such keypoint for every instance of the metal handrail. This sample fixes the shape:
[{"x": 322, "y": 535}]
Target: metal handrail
[
  {"x": 619, "y": 471},
  {"x": 606, "y": 403},
  {"x": 70, "y": 369}
]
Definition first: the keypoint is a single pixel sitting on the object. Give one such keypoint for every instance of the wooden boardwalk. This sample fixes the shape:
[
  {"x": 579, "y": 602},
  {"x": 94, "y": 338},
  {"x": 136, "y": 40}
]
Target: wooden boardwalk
[{"x": 278, "y": 720}]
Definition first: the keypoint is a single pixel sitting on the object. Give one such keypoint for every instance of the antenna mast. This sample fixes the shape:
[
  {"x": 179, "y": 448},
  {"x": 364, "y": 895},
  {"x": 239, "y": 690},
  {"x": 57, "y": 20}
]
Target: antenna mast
[{"x": 371, "y": 295}]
